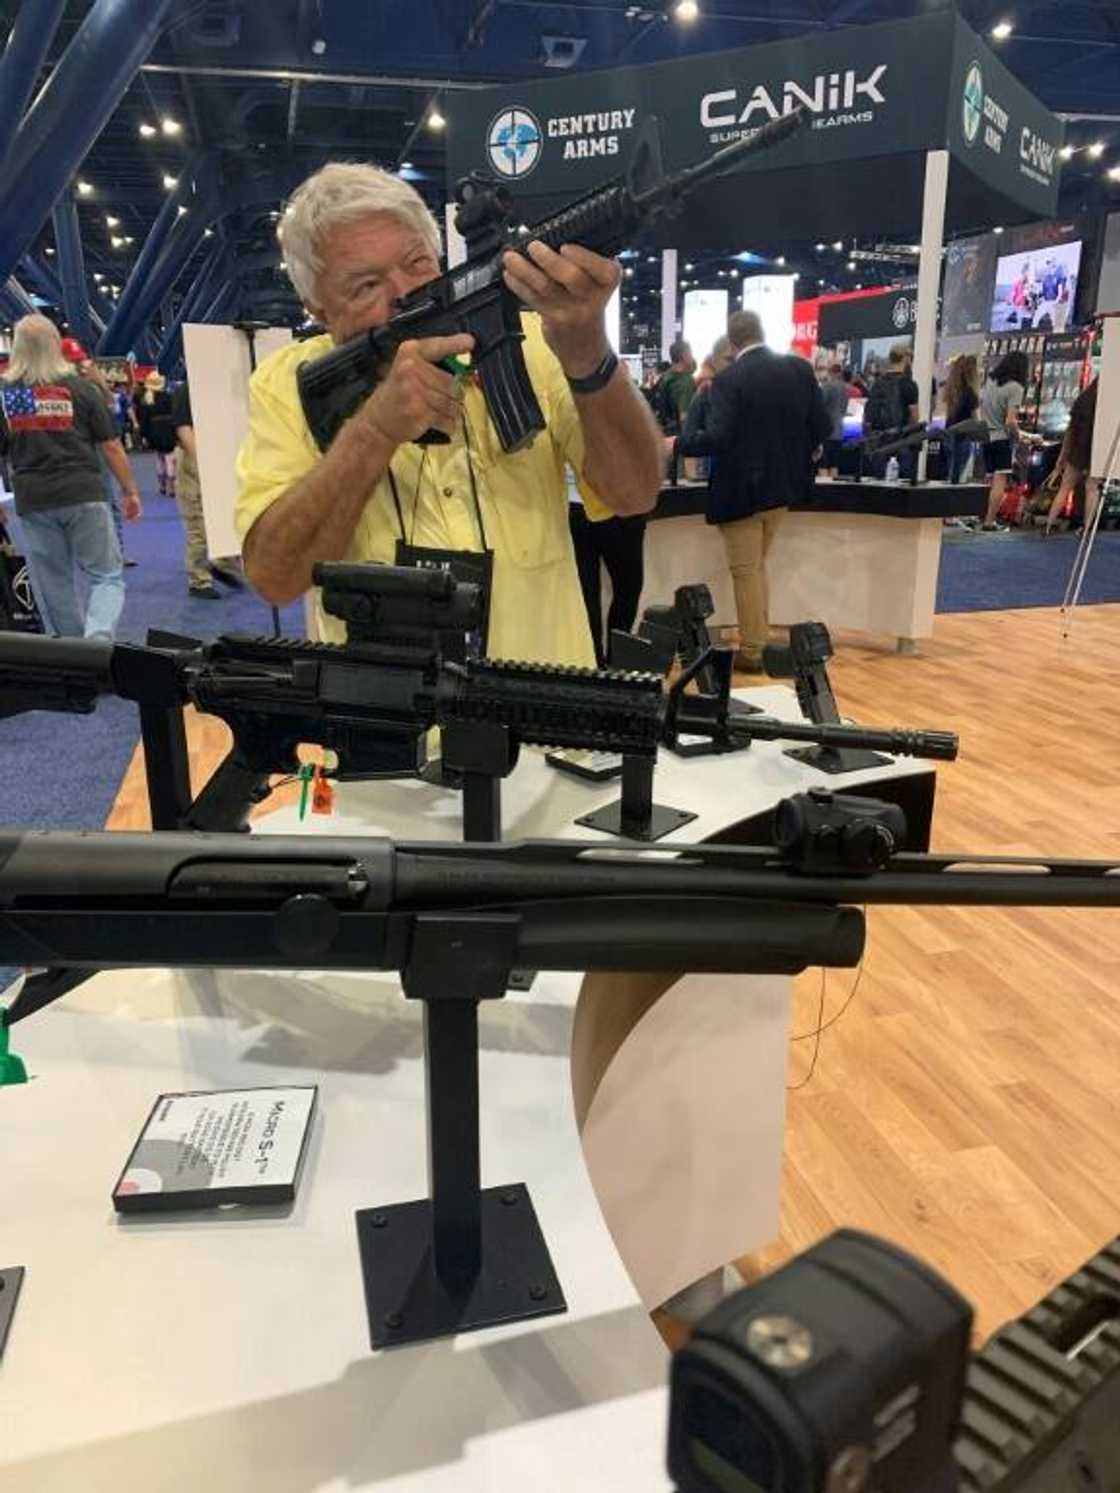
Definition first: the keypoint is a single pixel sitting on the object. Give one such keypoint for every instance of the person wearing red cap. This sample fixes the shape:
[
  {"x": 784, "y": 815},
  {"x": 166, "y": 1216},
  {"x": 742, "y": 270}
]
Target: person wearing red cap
[{"x": 53, "y": 426}]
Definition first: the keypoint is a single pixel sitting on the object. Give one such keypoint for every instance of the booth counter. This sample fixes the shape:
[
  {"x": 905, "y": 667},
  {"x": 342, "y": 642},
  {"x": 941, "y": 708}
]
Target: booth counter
[{"x": 861, "y": 555}]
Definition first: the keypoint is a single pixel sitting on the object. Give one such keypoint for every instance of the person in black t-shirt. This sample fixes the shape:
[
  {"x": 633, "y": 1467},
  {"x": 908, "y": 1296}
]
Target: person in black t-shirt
[
  {"x": 892, "y": 405},
  {"x": 52, "y": 427},
  {"x": 159, "y": 429}
]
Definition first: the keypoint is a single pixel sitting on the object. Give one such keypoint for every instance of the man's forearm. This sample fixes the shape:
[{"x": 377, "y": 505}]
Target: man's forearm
[
  {"x": 622, "y": 446},
  {"x": 316, "y": 517}
]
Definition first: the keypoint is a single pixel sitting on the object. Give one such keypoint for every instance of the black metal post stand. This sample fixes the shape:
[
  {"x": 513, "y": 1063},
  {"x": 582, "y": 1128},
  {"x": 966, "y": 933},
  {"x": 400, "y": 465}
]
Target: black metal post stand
[
  {"x": 635, "y": 816},
  {"x": 166, "y": 764},
  {"x": 464, "y": 1257}
]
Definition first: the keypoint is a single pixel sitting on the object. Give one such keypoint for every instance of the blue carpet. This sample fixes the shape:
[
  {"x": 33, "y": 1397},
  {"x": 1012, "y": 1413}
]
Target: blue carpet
[
  {"x": 63, "y": 771},
  {"x": 1003, "y": 572}
]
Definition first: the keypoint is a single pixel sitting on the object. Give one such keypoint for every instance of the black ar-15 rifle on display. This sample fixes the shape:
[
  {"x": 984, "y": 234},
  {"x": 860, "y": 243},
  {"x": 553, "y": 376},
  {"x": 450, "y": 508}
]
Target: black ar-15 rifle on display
[
  {"x": 455, "y": 921},
  {"x": 473, "y": 297},
  {"x": 372, "y": 701}
]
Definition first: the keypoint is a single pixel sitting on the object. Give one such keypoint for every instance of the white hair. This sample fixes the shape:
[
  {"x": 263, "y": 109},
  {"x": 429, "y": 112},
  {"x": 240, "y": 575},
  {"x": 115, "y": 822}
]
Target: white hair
[
  {"x": 36, "y": 352},
  {"x": 343, "y": 192}
]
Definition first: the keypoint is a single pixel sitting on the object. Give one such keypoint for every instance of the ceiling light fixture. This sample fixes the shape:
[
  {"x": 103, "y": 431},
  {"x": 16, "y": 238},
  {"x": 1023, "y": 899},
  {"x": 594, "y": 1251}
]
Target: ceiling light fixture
[
  {"x": 1114, "y": 174},
  {"x": 781, "y": 259},
  {"x": 111, "y": 221},
  {"x": 148, "y": 130},
  {"x": 84, "y": 189},
  {"x": 170, "y": 182},
  {"x": 170, "y": 126},
  {"x": 436, "y": 120},
  {"x": 182, "y": 209},
  {"x": 406, "y": 166},
  {"x": 1066, "y": 152},
  {"x": 1002, "y": 30},
  {"x": 997, "y": 230},
  {"x": 686, "y": 11},
  {"x": 1096, "y": 150},
  {"x": 49, "y": 251},
  {"x": 839, "y": 245}
]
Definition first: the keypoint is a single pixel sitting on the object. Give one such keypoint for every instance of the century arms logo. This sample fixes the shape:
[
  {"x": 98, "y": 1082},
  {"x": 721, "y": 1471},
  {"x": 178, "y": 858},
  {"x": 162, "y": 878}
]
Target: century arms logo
[
  {"x": 513, "y": 142},
  {"x": 973, "y": 107}
]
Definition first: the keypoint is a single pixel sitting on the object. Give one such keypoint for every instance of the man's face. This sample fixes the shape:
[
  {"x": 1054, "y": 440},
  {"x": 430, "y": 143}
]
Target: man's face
[{"x": 367, "y": 265}]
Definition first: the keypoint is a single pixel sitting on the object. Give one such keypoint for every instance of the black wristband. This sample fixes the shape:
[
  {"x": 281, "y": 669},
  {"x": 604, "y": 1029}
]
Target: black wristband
[{"x": 597, "y": 380}]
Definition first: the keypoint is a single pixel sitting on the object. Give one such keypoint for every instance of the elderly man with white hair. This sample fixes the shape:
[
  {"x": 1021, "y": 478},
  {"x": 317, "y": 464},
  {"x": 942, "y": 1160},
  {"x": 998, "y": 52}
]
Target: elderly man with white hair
[
  {"x": 52, "y": 426},
  {"x": 356, "y": 239}
]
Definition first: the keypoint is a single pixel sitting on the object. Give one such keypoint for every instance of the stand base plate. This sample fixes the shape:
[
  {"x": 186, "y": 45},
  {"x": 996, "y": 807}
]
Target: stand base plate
[
  {"x": 407, "y": 1302},
  {"x": 662, "y": 821},
  {"x": 833, "y": 760}
]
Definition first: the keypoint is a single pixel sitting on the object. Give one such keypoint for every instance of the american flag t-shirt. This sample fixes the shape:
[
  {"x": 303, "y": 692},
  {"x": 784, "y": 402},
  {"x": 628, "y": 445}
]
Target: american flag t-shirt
[{"x": 38, "y": 407}]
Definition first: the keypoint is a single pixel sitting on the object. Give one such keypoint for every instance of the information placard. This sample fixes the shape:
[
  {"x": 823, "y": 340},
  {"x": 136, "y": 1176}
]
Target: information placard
[{"x": 203, "y": 1150}]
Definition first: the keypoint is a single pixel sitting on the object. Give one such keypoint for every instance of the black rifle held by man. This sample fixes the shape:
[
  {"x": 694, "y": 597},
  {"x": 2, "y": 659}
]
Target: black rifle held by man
[{"x": 473, "y": 297}]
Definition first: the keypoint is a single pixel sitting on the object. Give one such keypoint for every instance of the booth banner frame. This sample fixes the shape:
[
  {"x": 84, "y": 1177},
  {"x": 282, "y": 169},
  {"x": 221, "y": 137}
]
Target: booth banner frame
[{"x": 897, "y": 88}]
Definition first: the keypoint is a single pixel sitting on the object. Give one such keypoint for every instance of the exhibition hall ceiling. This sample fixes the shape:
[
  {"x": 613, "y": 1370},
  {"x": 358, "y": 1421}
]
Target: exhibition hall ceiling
[{"x": 278, "y": 86}]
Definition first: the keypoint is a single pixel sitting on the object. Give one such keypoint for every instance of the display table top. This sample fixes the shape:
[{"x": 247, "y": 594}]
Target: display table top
[
  {"x": 228, "y": 1350},
  {"x": 884, "y": 499},
  {"x": 540, "y": 803}
]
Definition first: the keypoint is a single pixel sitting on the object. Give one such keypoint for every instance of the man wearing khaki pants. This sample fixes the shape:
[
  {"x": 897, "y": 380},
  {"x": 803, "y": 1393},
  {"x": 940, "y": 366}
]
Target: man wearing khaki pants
[{"x": 764, "y": 426}]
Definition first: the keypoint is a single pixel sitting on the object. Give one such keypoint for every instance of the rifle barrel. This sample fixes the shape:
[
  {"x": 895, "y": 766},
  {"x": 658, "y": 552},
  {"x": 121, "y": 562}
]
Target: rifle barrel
[
  {"x": 733, "y": 155},
  {"x": 942, "y": 746}
]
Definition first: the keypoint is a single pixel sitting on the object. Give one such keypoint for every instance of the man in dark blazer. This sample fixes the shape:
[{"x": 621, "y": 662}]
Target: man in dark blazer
[{"x": 764, "y": 425}]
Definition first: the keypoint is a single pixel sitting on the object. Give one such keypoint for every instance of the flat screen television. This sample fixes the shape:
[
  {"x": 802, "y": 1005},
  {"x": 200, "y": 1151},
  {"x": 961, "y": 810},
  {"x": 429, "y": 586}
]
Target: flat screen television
[{"x": 1036, "y": 291}]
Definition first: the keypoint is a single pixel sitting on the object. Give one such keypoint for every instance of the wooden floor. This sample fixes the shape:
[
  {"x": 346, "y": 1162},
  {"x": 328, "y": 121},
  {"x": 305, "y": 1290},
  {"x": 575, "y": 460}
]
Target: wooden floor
[{"x": 967, "y": 1105}]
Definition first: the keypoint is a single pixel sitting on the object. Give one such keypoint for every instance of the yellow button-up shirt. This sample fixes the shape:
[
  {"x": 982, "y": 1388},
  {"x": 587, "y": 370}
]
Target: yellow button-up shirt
[{"x": 536, "y": 609}]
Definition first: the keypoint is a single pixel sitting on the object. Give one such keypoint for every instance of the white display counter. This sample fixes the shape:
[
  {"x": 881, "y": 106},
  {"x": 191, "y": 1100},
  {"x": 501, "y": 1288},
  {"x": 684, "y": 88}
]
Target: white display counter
[
  {"x": 229, "y": 1350},
  {"x": 864, "y": 556}
]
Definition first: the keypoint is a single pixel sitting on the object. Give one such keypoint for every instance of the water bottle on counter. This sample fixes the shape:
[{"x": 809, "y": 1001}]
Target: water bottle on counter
[{"x": 893, "y": 469}]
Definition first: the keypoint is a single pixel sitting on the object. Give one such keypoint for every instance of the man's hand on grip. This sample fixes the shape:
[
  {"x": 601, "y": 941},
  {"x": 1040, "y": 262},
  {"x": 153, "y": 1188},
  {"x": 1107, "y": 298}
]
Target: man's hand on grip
[{"x": 416, "y": 395}]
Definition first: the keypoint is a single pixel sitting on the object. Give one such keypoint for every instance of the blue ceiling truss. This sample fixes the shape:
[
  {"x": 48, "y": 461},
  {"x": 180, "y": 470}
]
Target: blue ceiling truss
[{"x": 176, "y": 222}]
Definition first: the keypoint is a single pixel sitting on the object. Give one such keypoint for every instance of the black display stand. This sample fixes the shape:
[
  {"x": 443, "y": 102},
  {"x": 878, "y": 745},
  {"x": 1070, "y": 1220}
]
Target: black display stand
[
  {"x": 635, "y": 816},
  {"x": 166, "y": 765},
  {"x": 464, "y": 1257},
  {"x": 837, "y": 759}
]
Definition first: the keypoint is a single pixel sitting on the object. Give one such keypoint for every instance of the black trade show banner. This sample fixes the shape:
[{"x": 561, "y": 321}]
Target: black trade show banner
[
  {"x": 878, "y": 98},
  {"x": 1000, "y": 131},
  {"x": 892, "y": 314}
]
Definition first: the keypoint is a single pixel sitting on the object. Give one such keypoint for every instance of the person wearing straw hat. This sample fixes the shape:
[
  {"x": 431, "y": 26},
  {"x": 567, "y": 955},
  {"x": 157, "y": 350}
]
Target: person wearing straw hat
[{"x": 159, "y": 429}]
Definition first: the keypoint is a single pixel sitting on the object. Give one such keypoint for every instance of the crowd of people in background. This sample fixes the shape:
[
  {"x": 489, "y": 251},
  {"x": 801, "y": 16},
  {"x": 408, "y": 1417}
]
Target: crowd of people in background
[
  {"x": 67, "y": 429},
  {"x": 758, "y": 429}
]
